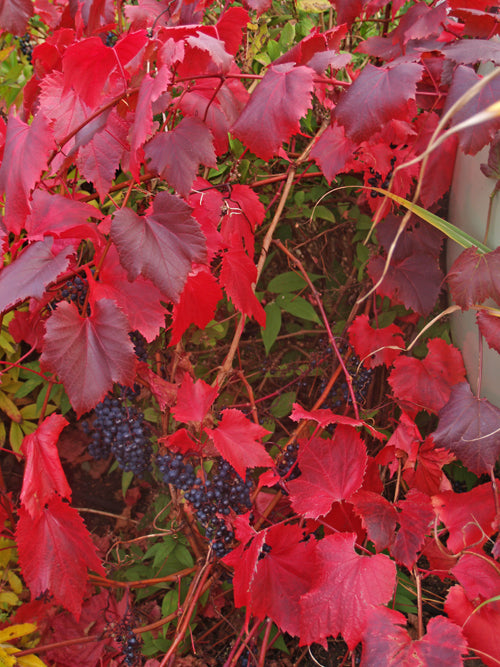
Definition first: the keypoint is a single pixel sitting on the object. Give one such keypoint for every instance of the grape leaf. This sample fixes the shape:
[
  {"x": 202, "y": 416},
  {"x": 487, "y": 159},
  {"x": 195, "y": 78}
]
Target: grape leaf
[
  {"x": 14, "y": 15},
  {"x": 275, "y": 108},
  {"x": 194, "y": 400},
  {"x": 180, "y": 441},
  {"x": 236, "y": 439},
  {"x": 283, "y": 574},
  {"x": 469, "y": 517},
  {"x": 426, "y": 473},
  {"x": 472, "y": 51},
  {"x": 346, "y": 588},
  {"x": 325, "y": 417},
  {"x": 427, "y": 384},
  {"x": 26, "y": 155},
  {"x": 176, "y": 155},
  {"x": 237, "y": 276},
  {"x": 244, "y": 212},
  {"x": 55, "y": 550},
  {"x": 479, "y": 576},
  {"x": 314, "y": 44},
  {"x": 331, "y": 470},
  {"x": 162, "y": 245},
  {"x": 31, "y": 272},
  {"x": 43, "y": 473},
  {"x": 373, "y": 346},
  {"x": 386, "y": 642},
  {"x": 469, "y": 427},
  {"x": 480, "y": 627},
  {"x": 89, "y": 353},
  {"x": 383, "y": 93},
  {"x": 332, "y": 151},
  {"x": 474, "y": 277},
  {"x": 414, "y": 519},
  {"x": 489, "y": 326},
  {"x": 57, "y": 216},
  {"x": 197, "y": 303},
  {"x": 378, "y": 517}
]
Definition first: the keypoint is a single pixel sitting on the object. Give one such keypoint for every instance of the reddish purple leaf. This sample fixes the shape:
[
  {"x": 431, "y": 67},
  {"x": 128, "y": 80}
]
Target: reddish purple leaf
[
  {"x": 414, "y": 519},
  {"x": 469, "y": 517},
  {"x": 260, "y": 6},
  {"x": 426, "y": 384},
  {"x": 420, "y": 22},
  {"x": 238, "y": 276},
  {"x": 176, "y": 155},
  {"x": 331, "y": 470},
  {"x": 43, "y": 473},
  {"x": 161, "y": 246},
  {"x": 382, "y": 93},
  {"x": 55, "y": 215},
  {"x": 472, "y": 139},
  {"x": 472, "y": 51},
  {"x": 26, "y": 155},
  {"x": 31, "y": 272},
  {"x": 347, "y": 587},
  {"x": 469, "y": 427},
  {"x": 324, "y": 417},
  {"x": 315, "y": 44},
  {"x": 64, "y": 550},
  {"x": 374, "y": 346},
  {"x": 237, "y": 441},
  {"x": 89, "y": 353},
  {"x": 14, "y": 15},
  {"x": 332, "y": 151},
  {"x": 478, "y": 575},
  {"x": 275, "y": 108},
  {"x": 489, "y": 326},
  {"x": 474, "y": 277},
  {"x": 378, "y": 515},
  {"x": 197, "y": 303},
  {"x": 386, "y": 642},
  {"x": 194, "y": 400}
]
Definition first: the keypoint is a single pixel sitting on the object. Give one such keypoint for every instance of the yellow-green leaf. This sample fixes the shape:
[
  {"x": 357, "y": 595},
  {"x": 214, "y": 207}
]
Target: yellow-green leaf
[
  {"x": 5, "y": 659},
  {"x": 8, "y": 599},
  {"x": 15, "y": 631},
  {"x": 15, "y": 582},
  {"x": 10, "y": 409},
  {"x": 16, "y": 437}
]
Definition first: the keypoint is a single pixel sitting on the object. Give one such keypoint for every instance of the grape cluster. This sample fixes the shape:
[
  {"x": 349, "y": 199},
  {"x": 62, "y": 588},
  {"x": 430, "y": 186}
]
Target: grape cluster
[
  {"x": 288, "y": 461},
  {"x": 212, "y": 499},
  {"x": 376, "y": 179},
  {"x": 74, "y": 291},
  {"x": 361, "y": 379},
  {"x": 140, "y": 345},
  {"x": 26, "y": 46},
  {"x": 120, "y": 430},
  {"x": 130, "y": 644}
]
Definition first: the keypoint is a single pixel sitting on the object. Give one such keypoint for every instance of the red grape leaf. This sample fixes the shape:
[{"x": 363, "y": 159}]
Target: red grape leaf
[
  {"x": 472, "y": 139},
  {"x": 194, "y": 400},
  {"x": 420, "y": 22},
  {"x": 469, "y": 427},
  {"x": 324, "y": 417},
  {"x": 474, "y": 277},
  {"x": 283, "y": 573},
  {"x": 275, "y": 108},
  {"x": 140, "y": 301},
  {"x": 426, "y": 473},
  {"x": 480, "y": 628},
  {"x": 176, "y": 155},
  {"x": 237, "y": 276},
  {"x": 469, "y": 517},
  {"x": 378, "y": 516},
  {"x": 197, "y": 303},
  {"x": 414, "y": 519},
  {"x": 180, "y": 441},
  {"x": 427, "y": 384},
  {"x": 164, "y": 392},
  {"x": 207, "y": 210},
  {"x": 244, "y": 561},
  {"x": 55, "y": 550},
  {"x": 26, "y": 155},
  {"x": 386, "y": 642},
  {"x": 315, "y": 43},
  {"x": 244, "y": 212},
  {"x": 31, "y": 272},
  {"x": 383, "y": 94},
  {"x": 236, "y": 439},
  {"x": 332, "y": 151},
  {"x": 57, "y": 216},
  {"x": 373, "y": 346},
  {"x": 14, "y": 15},
  {"x": 89, "y": 353},
  {"x": 162, "y": 245},
  {"x": 43, "y": 473},
  {"x": 489, "y": 326},
  {"x": 331, "y": 470},
  {"x": 479, "y": 577},
  {"x": 231, "y": 26},
  {"x": 260, "y": 6},
  {"x": 347, "y": 587}
]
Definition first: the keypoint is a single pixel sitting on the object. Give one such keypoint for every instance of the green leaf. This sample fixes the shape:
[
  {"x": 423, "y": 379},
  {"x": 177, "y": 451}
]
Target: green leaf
[
  {"x": 273, "y": 325},
  {"x": 289, "y": 282},
  {"x": 282, "y": 405},
  {"x": 297, "y": 306},
  {"x": 324, "y": 213}
]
